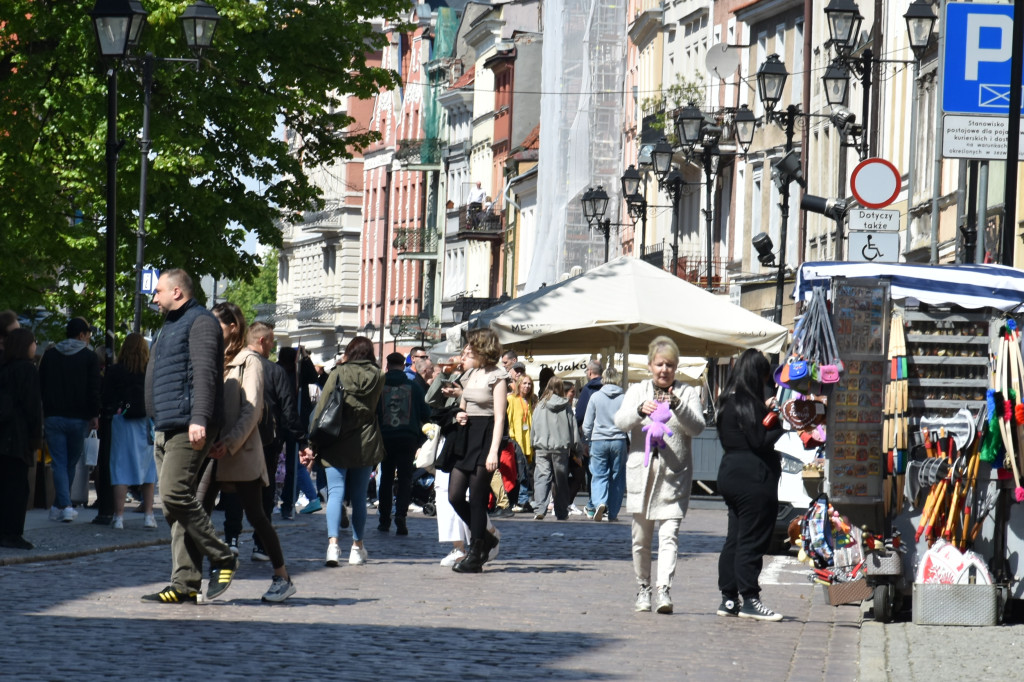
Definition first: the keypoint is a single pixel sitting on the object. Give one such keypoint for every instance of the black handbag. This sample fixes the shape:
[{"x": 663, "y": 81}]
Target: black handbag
[{"x": 327, "y": 427}]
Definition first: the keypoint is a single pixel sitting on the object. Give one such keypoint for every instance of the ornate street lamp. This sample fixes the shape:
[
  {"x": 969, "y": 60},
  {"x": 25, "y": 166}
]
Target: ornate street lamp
[
  {"x": 920, "y": 21},
  {"x": 688, "y": 125},
  {"x": 844, "y": 20},
  {"x": 837, "y": 83},
  {"x": 746, "y": 124},
  {"x": 423, "y": 321},
  {"x": 200, "y": 23},
  {"x": 771, "y": 80},
  {"x": 662, "y": 159},
  {"x": 396, "y": 329},
  {"x": 118, "y": 25}
]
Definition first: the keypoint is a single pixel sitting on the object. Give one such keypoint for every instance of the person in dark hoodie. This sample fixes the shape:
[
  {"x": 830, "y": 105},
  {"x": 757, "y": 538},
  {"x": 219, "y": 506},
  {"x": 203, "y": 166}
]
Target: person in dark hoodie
[
  {"x": 301, "y": 373},
  {"x": 592, "y": 386},
  {"x": 608, "y": 448},
  {"x": 554, "y": 428},
  {"x": 69, "y": 377},
  {"x": 402, "y": 413},
  {"x": 20, "y": 436}
]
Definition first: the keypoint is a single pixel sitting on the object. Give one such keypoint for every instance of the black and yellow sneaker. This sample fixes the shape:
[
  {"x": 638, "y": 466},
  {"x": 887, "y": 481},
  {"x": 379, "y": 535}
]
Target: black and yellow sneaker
[
  {"x": 220, "y": 578},
  {"x": 170, "y": 595}
]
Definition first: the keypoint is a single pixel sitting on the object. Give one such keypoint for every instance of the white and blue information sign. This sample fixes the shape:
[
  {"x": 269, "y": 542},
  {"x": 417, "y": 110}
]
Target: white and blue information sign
[
  {"x": 976, "y": 80},
  {"x": 149, "y": 279}
]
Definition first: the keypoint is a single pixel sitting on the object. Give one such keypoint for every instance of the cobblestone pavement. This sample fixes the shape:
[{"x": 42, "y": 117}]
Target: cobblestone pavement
[{"x": 556, "y": 605}]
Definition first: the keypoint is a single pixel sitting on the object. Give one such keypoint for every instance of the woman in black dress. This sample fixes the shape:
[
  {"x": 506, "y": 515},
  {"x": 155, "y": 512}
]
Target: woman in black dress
[
  {"x": 748, "y": 480},
  {"x": 21, "y": 433}
]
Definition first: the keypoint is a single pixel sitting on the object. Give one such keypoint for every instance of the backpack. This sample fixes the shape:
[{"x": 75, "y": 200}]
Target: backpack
[
  {"x": 396, "y": 406},
  {"x": 818, "y": 536}
]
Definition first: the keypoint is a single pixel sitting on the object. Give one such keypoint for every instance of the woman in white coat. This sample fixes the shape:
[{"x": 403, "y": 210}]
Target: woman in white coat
[{"x": 659, "y": 491}]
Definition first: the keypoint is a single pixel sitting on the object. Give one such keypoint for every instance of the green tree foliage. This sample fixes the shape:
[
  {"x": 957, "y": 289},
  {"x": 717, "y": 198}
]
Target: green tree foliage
[
  {"x": 675, "y": 96},
  {"x": 219, "y": 164},
  {"x": 261, "y": 290}
]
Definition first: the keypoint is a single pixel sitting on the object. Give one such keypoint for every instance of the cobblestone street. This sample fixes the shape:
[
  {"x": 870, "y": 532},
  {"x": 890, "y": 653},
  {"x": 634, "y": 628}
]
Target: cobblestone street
[{"x": 557, "y": 604}]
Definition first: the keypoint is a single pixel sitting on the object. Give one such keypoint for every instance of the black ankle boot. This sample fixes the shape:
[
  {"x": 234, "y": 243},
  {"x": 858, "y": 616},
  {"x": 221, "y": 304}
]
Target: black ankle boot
[
  {"x": 474, "y": 561},
  {"x": 400, "y": 527}
]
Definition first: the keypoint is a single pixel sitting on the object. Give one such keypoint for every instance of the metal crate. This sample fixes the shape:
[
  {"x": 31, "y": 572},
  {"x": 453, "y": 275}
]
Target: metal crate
[
  {"x": 972, "y": 605},
  {"x": 876, "y": 563}
]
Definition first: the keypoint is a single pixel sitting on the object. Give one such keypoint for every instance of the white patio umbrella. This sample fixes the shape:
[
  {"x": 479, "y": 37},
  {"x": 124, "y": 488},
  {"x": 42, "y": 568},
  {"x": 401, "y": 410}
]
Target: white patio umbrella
[{"x": 627, "y": 303}]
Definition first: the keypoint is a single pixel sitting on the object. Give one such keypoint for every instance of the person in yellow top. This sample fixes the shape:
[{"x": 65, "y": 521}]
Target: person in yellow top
[{"x": 521, "y": 402}]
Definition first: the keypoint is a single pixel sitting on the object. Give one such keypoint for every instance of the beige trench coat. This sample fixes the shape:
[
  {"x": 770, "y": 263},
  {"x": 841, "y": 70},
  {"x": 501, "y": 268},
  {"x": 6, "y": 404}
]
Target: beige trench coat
[
  {"x": 243, "y": 406},
  {"x": 662, "y": 490}
]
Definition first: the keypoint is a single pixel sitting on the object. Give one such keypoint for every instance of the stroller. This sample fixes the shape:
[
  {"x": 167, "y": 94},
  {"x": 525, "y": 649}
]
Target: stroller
[{"x": 423, "y": 491}]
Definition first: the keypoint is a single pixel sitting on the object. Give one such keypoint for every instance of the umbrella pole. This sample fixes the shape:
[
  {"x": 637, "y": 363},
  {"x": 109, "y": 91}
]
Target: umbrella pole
[{"x": 625, "y": 359}]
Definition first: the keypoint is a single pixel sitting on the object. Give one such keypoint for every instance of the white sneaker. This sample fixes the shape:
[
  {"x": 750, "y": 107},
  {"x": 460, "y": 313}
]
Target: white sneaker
[
  {"x": 333, "y": 555},
  {"x": 358, "y": 556},
  {"x": 575, "y": 511},
  {"x": 150, "y": 522},
  {"x": 117, "y": 523},
  {"x": 454, "y": 557},
  {"x": 68, "y": 514},
  {"x": 55, "y": 513}
]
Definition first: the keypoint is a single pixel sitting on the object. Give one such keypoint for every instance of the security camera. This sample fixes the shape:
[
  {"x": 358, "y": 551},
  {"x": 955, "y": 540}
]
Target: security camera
[
  {"x": 787, "y": 169},
  {"x": 830, "y": 208},
  {"x": 763, "y": 245}
]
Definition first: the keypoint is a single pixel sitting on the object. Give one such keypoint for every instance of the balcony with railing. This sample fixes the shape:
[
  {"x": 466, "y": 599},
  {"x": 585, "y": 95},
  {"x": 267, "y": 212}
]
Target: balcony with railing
[
  {"x": 416, "y": 154},
  {"x": 469, "y": 222},
  {"x": 416, "y": 242}
]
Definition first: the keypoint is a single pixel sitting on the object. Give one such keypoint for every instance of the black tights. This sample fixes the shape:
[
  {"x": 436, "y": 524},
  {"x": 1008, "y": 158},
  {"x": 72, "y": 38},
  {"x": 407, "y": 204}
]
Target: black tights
[{"x": 473, "y": 512}]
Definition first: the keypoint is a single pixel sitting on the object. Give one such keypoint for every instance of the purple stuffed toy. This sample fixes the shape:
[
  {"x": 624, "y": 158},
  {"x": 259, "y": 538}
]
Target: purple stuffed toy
[{"x": 656, "y": 430}]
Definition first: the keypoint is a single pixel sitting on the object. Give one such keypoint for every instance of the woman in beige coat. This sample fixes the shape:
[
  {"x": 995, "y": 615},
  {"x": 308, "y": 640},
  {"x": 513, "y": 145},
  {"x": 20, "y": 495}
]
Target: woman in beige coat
[
  {"x": 241, "y": 466},
  {"x": 659, "y": 491}
]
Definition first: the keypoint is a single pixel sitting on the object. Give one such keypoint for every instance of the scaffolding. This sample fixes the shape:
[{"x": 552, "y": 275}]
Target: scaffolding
[{"x": 581, "y": 120}]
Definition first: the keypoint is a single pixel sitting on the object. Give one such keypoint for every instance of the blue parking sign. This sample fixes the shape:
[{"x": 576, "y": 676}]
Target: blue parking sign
[
  {"x": 976, "y": 58},
  {"x": 149, "y": 278}
]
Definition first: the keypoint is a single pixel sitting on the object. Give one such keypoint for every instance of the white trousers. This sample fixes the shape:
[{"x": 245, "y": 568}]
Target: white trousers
[
  {"x": 668, "y": 548},
  {"x": 450, "y": 528}
]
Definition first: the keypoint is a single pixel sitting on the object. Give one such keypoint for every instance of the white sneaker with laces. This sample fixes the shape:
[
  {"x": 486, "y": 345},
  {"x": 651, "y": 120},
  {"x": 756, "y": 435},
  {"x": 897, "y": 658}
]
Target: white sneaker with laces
[
  {"x": 280, "y": 589},
  {"x": 358, "y": 556},
  {"x": 333, "y": 554},
  {"x": 575, "y": 511},
  {"x": 117, "y": 523},
  {"x": 454, "y": 557},
  {"x": 55, "y": 513},
  {"x": 150, "y": 522},
  {"x": 68, "y": 514}
]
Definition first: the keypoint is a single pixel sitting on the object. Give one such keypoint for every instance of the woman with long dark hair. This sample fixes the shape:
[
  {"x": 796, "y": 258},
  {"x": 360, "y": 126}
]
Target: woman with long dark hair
[
  {"x": 131, "y": 449},
  {"x": 481, "y": 420},
  {"x": 21, "y": 435},
  {"x": 748, "y": 480},
  {"x": 241, "y": 467},
  {"x": 349, "y": 460}
]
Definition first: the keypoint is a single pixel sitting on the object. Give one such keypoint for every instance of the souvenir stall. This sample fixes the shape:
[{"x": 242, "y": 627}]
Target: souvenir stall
[{"x": 924, "y": 433}]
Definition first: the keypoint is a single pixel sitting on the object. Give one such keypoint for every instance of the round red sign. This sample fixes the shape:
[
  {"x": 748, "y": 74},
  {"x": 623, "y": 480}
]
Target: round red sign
[{"x": 875, "y": 183}]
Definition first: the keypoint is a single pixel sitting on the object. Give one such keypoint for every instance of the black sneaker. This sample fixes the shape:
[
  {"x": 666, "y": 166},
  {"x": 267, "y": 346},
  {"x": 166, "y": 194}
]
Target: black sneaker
[
  {"x": 233, "y": 545},
  {"x": 220, "y": 579},
  {"x": 259, "y": 554},
  {"x": 169, "y": 595},
  {"x": 728, "y": 607},
  {"x": 15, "y": 542},
  {"x": 384, "y": 524},
  {"x": 400, "y": 527},
  {"x": 753, "y": 608}
]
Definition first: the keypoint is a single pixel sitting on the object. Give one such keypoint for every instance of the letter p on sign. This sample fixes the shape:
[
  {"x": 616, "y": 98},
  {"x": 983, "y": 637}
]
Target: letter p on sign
[{"x": 978, "y": 52}]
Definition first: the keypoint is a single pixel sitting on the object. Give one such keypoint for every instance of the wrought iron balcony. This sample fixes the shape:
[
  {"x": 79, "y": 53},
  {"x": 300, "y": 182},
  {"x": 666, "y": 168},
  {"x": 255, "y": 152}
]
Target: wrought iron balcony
[
  {"x": 415, "y": 240},
  {"x": 412, "y": 152},
  {"x": 476, "y": 223}
]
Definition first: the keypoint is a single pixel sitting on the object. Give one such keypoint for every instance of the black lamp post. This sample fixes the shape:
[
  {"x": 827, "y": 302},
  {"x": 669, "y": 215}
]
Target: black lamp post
[
  {"x": 396, "y": 329},
  {"x": 423, "y": 321},
  {"x": 771, "y": 80},
  {"x": 691, "y": 129},
  {"x": 636, "y": 203},
  {"x": 199, "y": 23},
  {"x": 595, "y": 205},
  {"x": 118, "y": 25}
]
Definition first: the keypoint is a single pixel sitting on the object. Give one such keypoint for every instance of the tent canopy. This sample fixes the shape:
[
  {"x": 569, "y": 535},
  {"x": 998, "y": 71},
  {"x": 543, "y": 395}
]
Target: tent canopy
[
  {"x": 968, "y": 286},
  {"x": 627, "y": 303}
]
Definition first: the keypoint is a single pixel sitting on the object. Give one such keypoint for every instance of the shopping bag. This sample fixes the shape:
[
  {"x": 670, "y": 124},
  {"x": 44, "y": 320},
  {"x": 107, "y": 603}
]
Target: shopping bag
[{"x": 91, "y": 452}]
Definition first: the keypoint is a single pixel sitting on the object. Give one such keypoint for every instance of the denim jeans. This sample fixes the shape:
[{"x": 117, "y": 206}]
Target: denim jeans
[
  {"x": 355, "y": 482},
  {"x": 65, "y": 436},
  {"x": 608, "y": 468}
]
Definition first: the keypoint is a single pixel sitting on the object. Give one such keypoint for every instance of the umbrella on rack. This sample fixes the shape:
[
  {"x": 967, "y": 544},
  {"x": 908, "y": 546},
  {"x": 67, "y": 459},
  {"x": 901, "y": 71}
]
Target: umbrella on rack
[{"x": 896, "y": 424}]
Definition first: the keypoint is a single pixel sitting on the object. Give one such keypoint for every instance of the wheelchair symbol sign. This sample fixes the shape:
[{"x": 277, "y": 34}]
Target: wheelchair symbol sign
[{"x": 873, "y": 247}]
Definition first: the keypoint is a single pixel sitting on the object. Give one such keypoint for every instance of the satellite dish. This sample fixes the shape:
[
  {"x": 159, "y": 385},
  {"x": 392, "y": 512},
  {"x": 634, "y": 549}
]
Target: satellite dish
[{"x": 722, "y": 60}]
